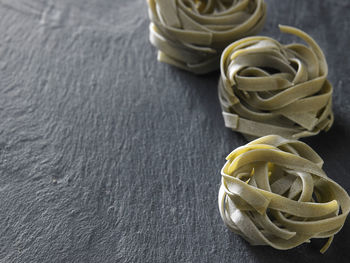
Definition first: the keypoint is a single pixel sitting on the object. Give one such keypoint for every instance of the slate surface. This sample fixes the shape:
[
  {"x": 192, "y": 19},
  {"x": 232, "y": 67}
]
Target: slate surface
[{"x": 107, "y": 155}]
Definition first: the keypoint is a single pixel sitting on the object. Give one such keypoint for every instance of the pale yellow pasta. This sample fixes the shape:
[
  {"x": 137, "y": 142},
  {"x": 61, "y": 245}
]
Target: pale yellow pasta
[
  {"x": 274, "y": 192},
  {"x": 270, "y": 88},
  {"x": 191, "y": 34}
]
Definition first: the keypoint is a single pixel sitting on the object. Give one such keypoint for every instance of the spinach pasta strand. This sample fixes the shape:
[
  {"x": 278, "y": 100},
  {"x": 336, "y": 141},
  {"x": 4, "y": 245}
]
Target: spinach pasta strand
[
  {"x": 191, "y": 34},
  {"x": 269, "y": 88},
  {"x": 274, "y": 192}
]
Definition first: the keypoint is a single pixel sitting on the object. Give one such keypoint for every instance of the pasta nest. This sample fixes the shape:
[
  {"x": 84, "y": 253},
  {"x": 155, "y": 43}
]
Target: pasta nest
[
  {"x": 191, "y": 34},
  {"x": 274, "y": 192},
  {"x": 269, "y": 88}
]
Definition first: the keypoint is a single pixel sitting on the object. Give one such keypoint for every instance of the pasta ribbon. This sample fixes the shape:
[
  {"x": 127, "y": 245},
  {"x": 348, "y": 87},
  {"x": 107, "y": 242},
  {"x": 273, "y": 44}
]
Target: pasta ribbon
[
  {"x": 191, "y": 34},
  {"x": 269, "y": 88},
  {"x": 274, "y": 192}
]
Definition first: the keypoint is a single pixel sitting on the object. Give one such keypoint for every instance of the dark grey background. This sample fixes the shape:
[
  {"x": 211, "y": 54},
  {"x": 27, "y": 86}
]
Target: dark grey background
[{"x": 107, "y": 155}]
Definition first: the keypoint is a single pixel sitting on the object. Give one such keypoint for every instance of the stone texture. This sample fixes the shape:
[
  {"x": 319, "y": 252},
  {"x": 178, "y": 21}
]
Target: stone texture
[{"x": 107, "y": 155}]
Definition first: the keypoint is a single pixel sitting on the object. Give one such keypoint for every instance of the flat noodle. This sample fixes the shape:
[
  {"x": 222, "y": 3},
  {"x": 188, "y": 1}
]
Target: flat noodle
[
  {"x": 274, "y": 192},
  {"x": 269, "y": 88},
  {"x": 191, "y": 34}
]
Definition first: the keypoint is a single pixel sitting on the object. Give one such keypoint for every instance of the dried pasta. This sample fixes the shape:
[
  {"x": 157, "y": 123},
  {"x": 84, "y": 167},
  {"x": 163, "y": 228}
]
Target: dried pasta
[
  {"x": 274, "y": 192},
  {"x": 269, "y": 88},
  {"x": 191, "y": 34}
]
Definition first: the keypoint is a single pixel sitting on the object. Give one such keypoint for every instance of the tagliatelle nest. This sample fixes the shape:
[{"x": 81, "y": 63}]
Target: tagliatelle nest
[
  {"x": 191, "y": 34},
  {"x": 274, "y": 192},
  {"x": 270, "y": 88}
]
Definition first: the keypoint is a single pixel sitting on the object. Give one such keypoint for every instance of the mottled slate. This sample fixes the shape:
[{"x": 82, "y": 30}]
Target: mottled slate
[{"x": 107, "y": 155}]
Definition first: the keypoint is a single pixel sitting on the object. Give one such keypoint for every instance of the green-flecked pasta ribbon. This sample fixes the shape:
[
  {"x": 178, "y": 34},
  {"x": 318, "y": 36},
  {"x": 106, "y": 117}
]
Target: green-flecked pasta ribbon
[
  {"x": 269, "y": 88},
  {"x": 274, "y": 192},
  {"x": 191, "y": 34}
]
